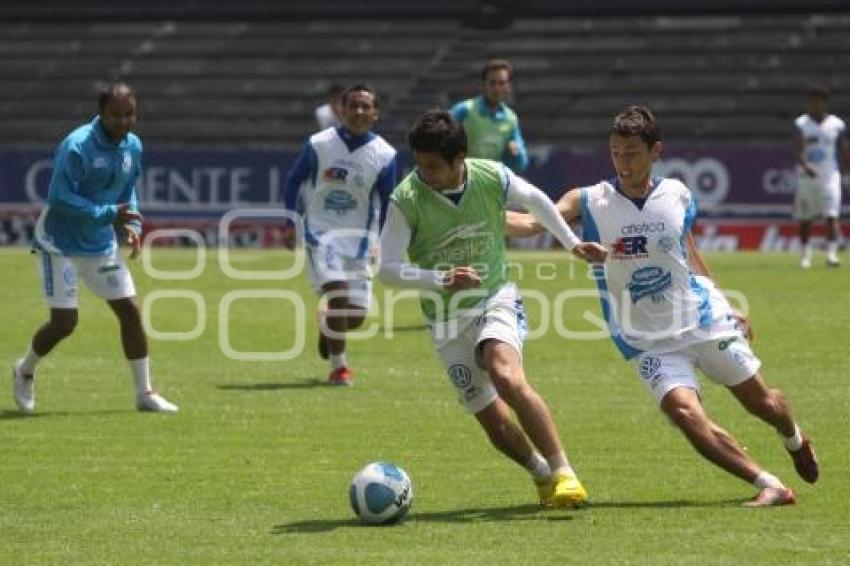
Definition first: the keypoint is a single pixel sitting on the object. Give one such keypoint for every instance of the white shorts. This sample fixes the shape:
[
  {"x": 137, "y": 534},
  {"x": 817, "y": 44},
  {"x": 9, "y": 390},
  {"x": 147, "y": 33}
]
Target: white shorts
[
  {"x": 325, "y": 266},
  {"x": 106, "y": 276},
  {"x": 727, "y": 361},
  {"x": 818, "y": 197},
  {"x": 457, "y": 342}
]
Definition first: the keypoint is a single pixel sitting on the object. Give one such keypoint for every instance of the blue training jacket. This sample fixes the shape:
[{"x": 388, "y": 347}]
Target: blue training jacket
[{"x": 91, "y": 176}]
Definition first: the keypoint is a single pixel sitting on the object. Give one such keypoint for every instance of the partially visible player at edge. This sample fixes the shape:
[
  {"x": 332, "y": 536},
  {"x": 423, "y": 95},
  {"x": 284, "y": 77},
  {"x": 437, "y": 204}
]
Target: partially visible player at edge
[
  {"x": 663, "y": 310},
  {"x": 344, "y": 175},
  {"x": 820, "y": 147},
  {"x": 92, "y": 195},
  {"x": 448, "y": 217}
]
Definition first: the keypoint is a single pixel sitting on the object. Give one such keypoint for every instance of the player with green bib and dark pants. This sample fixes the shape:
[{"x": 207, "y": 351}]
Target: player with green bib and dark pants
[{"x": 448, "y": 216}]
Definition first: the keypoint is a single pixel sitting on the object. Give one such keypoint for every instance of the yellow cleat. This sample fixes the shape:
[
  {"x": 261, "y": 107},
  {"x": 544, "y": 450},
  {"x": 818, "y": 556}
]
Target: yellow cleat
[{"x": 567, "y": 491}]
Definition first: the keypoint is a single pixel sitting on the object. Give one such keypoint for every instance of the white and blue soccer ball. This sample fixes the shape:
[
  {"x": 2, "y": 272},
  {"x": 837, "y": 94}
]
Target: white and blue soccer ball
[{"x": 380, "y": 493}]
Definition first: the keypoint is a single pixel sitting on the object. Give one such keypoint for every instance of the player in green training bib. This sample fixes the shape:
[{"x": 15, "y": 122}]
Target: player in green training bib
[
  {"x": 492, "y": 127},
  {"x": 448, "y": 217}
]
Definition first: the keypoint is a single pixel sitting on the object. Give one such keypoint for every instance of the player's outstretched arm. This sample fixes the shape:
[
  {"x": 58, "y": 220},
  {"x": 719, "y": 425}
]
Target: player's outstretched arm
[{"x": 522, "y": 224}]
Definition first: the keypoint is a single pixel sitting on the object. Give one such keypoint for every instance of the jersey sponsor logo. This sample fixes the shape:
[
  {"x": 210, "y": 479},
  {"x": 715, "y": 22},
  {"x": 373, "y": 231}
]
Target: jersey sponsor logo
[
  {"x": 649, "y": 282},
  {"x": 666, "y": 244},
  {"x": 630, "y": 247},
  {"x": 816, "y": 155},
  {"x": 335, "y": 174},
  {"x": 642, "y": 228},
  {"x": 466, "y": 244},
  {"x": 100, "y": 162},
  {"x": 460, "y": 375},
  {"x": 340, "y": 202}
]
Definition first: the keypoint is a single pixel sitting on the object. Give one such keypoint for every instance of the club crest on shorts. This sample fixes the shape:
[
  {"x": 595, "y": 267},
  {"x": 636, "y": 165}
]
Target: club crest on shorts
[
  {"x": 649, "y": 366},
  {"x": 460, "y": 375},
  {"x": 69, "y": 276}
]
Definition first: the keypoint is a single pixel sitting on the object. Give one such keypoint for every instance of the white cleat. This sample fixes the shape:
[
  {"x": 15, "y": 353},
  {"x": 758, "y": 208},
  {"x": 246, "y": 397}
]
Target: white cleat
[
  {"x": 833, "y": 261},
  {"x": 24, "y": 391},
  {"x": 152, "y": 401},
  {"x": 805, "y": 263}
]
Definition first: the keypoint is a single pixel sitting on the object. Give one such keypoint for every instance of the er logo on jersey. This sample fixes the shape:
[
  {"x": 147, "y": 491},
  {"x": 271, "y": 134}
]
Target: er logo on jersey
[
  {"x": 335, "y": 174},
  {"x": 630, "y": 247}
]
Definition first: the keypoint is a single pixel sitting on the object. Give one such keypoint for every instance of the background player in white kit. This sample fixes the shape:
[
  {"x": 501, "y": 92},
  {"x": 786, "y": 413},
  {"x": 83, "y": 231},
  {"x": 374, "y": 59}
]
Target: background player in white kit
[
  {"x": 344, "y": 175},
  {"x": 820, "y": 146},
  {"x": 663, "y": 311}
]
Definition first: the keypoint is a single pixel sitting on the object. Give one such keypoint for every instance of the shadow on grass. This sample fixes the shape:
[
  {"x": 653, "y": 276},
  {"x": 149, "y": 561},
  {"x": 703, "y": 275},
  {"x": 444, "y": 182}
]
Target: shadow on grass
[
  {"x": 405, "y": 328},
  {"x": 274, "y": 386},
  {"x": 676, "y": 504},
  {"x": 16, "y": 415},
  {"x": 527, "y": 512}
]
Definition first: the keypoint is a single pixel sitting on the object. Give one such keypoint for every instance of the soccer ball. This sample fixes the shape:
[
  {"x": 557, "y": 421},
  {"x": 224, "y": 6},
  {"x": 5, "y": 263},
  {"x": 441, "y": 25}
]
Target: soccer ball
[{"x": 380, "y": 493}]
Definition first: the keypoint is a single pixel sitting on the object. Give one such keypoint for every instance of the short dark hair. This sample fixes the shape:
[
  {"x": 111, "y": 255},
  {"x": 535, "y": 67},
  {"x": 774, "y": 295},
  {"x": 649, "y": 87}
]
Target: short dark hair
[
  {"x": 437, "y": 131},
  {"x": 114, "y": 90},
  {"x": 821, "y": 91},
  {"x": 497, "y": 65},
  {"x": 360, "y": 87},
  {"x": 637, "y": 121}
]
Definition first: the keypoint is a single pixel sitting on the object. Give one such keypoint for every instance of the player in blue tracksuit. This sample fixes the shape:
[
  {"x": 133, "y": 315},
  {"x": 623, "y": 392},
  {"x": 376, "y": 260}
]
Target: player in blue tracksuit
[
  {"x": 92, "y": 194},
  {"x": 343, "y": 176}
]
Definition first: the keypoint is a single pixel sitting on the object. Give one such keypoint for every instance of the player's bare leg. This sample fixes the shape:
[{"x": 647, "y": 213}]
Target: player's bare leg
[
  {"x": 770, "y": 406},
  {"x": 507, "y": 437},
  {"x": 683, "y": 407},
  {"x": 504, "y": 433},
  {"x": 133, "y": 339},
  {"x": 832, "y": 242},
  {"x": 135, "y": 345},
  {"x": 339, "y": 318},
  {"x": 504, "y": 365},
  {"x": 805, "y": 234},
  {"x": 59, "y": 326}
]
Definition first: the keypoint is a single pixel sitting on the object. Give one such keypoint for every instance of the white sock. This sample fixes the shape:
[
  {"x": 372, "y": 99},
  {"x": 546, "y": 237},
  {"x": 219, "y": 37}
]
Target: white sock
[
  {"x": 832, "y": 248},
  {"x": 29, "y": 361},
  {"x": 766, "y": 479},
  {"x": 538, "y": 467},
  {"x": 807, "y": 250},
  {"x": 794, "y": 442},
  {"x": 558, "y": 463},
  {"x": 338, "y": 361},
  {"x": 141, "y": 375}
]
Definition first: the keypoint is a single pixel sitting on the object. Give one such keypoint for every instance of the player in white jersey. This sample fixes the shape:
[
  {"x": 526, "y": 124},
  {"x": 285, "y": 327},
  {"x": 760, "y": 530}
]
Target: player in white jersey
[
  {"x": 820, "y": 146},
  {"x": 343, "y": 177},
  {"x": 663, "y": 311}
]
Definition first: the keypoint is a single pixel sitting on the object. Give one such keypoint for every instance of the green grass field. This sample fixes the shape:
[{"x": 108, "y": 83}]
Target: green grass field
[{"x": 255, "y": 467}]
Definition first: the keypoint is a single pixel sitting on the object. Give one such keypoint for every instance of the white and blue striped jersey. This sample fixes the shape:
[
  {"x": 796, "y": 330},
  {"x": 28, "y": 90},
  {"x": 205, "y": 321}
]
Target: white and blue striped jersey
[
  {"x": 820, "y": 142},
  {"x": 651, "y": 299},
  {"x": 344, "y": 182}
]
